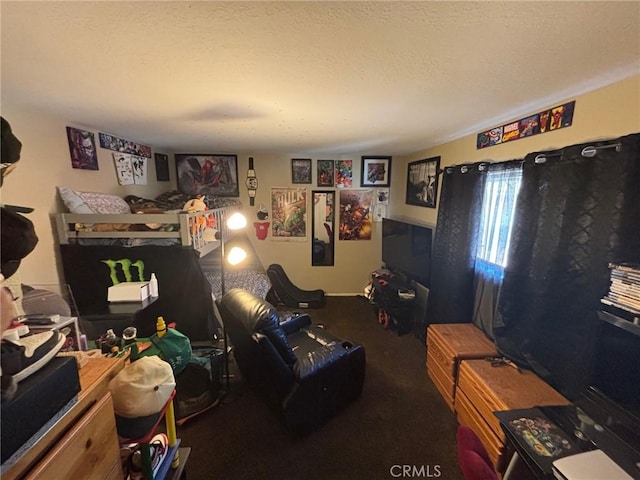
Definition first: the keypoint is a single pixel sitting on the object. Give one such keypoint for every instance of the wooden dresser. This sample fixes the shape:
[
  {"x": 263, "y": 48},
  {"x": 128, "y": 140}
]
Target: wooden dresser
[
  {"x": 447, "y": 345},
  {"x": 483, "y": 389},
  {"x": 83, "y": 444}
]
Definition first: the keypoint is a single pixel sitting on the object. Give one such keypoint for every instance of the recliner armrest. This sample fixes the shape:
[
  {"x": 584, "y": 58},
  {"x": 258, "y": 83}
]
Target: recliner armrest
[
  {"x": 295, "y": 323},
  {"x": 321, "y": 358}
]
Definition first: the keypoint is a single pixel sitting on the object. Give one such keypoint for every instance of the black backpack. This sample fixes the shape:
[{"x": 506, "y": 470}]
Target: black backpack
[{"x": 196, "y": 392}]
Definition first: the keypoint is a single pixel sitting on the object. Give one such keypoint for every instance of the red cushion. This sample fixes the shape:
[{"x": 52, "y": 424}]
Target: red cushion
[{"x": 473, "y": 458}]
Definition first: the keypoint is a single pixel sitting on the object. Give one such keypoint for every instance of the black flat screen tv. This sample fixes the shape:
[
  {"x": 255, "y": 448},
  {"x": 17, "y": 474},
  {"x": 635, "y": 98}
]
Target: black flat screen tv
[{"x": 406, "y": 249}]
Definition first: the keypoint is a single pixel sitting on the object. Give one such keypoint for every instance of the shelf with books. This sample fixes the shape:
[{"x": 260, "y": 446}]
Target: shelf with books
[{"x": 624, "y": 289}]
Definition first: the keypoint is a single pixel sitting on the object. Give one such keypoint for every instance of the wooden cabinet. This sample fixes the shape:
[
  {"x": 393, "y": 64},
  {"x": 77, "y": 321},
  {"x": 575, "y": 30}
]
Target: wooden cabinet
[
  {"x": 83, "y": 444},
  {"x": 87, "y": 451},
  {"x": 447, "y": 345},
  {"x": 483, "y": 389}
]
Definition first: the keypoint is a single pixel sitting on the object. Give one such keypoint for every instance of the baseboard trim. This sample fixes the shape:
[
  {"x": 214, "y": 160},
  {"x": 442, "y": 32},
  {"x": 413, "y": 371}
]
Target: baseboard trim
[{"x": 344, "y": 294}]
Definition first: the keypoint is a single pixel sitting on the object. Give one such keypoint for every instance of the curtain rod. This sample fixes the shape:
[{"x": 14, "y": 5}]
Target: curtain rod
[
  {"x": 587, "y": 152},
  {"x": 464, "y": 168}
]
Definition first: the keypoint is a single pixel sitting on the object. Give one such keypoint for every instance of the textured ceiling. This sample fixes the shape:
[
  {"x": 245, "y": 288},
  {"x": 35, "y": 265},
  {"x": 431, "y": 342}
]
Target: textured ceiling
[{"x": 316, "y": 78}]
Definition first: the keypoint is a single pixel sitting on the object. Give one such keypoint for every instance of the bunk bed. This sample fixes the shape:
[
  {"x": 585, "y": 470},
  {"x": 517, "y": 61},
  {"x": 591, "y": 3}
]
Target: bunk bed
[
  {"x": 194, "y": 230},
  {"x": 101, "y": 243},
  {"x": 98, "y": 250}
]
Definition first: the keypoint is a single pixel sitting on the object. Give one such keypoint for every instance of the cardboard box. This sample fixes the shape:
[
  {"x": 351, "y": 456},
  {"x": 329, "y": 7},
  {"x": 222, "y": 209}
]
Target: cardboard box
[{"x": 128, "y": 292}]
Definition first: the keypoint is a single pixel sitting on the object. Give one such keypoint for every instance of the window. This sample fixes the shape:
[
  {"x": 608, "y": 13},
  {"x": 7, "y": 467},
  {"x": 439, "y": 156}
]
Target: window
[{"x": 498, "y": 203}]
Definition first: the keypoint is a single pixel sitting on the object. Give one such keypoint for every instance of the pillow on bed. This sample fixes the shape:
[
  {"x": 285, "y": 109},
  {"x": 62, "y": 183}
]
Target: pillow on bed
[{"x": 92, "y": 202}]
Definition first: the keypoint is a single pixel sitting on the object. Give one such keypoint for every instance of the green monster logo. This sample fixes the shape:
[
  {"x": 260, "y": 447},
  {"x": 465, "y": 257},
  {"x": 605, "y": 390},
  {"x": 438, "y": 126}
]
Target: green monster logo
[{"x": 125, "y": 267}]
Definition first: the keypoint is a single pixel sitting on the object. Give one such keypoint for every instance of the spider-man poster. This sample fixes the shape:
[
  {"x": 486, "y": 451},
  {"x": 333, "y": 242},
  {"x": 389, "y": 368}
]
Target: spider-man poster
[{"x": 211, "y": 175}]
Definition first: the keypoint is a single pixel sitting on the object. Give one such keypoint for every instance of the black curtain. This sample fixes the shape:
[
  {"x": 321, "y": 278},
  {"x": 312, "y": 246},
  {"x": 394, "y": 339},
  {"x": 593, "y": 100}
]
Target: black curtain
[
  {"x": 574, "y": 215},
  {"x": 454, "y": 246}
]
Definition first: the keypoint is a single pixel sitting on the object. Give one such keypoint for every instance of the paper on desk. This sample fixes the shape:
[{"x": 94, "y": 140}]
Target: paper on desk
[{"x": 592, "y": 465}]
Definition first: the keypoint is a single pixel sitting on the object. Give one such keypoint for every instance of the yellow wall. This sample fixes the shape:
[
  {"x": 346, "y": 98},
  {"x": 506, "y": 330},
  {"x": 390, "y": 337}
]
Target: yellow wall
[
  {"x": 45, "y": 164},
  {"x": 608, "y": 112},
  {"x": 354, "y": 260}
]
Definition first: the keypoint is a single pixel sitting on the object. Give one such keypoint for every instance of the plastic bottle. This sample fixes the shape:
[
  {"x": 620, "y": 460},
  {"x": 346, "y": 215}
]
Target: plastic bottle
[
  {"x": 153, "y": 285},
  {"x": 161, "y": 327}
]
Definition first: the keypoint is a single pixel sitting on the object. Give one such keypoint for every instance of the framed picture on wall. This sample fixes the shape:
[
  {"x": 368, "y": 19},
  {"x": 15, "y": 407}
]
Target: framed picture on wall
[
  {"x": 422, "y": 182},
  {"x": 301, "y": 170},
  {"x": 375, "y": 171},
  {"x": 356, "y": 221},
  {"x": 289, "y": 214},
  {"x": 162, "y": 167},
  {"x": 215, "y": 175},
  {"x": 82, "y": 147},
  {"x": 343, "y": 176},
  {"x": 325, "y": 173}
]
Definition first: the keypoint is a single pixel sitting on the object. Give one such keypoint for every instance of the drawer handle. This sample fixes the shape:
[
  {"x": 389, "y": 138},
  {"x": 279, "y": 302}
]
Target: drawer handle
[{"x": 88, "y": 444}]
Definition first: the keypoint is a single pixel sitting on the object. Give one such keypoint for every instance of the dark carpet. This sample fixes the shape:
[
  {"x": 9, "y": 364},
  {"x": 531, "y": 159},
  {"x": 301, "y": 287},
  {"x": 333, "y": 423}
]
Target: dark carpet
[{"x": 399, "y": 428}]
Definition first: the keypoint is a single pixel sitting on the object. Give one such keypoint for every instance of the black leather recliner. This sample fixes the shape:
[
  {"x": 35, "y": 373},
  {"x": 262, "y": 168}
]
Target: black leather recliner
[{"x": 304, "y": 373}]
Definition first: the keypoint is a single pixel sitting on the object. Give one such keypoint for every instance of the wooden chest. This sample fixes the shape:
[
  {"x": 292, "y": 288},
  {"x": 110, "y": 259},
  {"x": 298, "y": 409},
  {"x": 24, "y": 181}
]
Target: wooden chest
[
  {"x": 447, "y": 345},
  {"x": 483, "y": 389}
]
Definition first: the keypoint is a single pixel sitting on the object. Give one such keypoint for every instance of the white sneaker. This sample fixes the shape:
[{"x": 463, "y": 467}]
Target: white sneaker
[
  {"x": 26, "y": 355},
  {"x": 15, "y": 331}
]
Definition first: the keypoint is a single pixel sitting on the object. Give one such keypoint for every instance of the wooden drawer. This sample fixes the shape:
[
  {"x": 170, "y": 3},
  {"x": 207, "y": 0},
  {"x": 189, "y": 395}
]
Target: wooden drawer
[
  {"x": 491, "y": 389},
  {"x": 90, "y": 450},
  {"x": 94, "y": 384},
  {"x": 441, "y": 379},
  {"x": 469, "y": 416},
  {"x": 440, "y": 353}
]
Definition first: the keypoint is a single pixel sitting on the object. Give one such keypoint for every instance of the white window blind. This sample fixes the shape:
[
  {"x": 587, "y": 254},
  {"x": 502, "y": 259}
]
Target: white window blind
[{"x": 498, "y": 203}]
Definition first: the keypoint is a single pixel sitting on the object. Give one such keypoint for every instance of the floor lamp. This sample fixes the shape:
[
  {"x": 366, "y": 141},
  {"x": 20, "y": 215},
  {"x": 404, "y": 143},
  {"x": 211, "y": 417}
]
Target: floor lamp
[{"x": 236, "y": 221}]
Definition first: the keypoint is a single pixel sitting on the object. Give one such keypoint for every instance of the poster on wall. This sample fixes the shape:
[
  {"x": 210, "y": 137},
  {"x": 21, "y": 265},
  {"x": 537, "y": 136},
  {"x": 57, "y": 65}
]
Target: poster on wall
[
  {"x": 215, "y": 175},
  {"x": 162, "y": 167},
  {"x": 343, "y": 173},
  {"x": 325, "y": 173},
  {"x": 130, "y": 169},
  {"x": 355, "y": 214},
  {"x": 375, "y": 170},
  {"x": 139, "y": 169},
  {"x": 122, "y": 145},
  {"x": 300, "y": 170},
  {"x": 380, "y": 204},
  {"x": 82, "y": 147},
  {"x": 124, "y": 168},
  {"x": 289, "y": 214},
  {"x": 542, "y": 122},
  {"x": 422, "y": 182}
]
